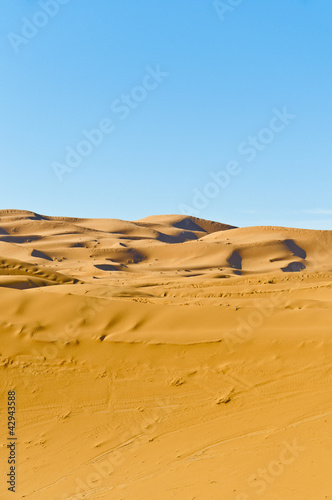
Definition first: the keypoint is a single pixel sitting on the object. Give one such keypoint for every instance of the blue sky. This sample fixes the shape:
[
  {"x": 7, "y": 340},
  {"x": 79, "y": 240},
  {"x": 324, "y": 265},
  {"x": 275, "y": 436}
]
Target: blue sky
[{"x": 127, "y": 109}]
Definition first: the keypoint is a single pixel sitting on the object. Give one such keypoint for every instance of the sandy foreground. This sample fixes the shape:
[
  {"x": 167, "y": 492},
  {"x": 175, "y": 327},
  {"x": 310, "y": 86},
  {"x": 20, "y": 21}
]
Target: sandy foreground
[{"x": 170, "y": 357}]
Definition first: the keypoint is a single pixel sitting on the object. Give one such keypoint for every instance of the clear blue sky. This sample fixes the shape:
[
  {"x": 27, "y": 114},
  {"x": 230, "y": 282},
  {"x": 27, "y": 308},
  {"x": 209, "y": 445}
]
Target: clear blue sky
[{"x": 183, "y": 92}]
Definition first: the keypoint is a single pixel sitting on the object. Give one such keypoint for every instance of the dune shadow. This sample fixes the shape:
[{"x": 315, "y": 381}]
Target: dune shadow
[
  {"x": 37, "y": 217},
  {"x": 235, "y": 261},
  {"x": 2, "y": 231},
  {"x": 295, "y": 249},
  {"x": 293, "y": 267},
  {"x": 180, "y": 238},
  {"x": 40, "y": 255},
  {"x": 106, "y": 267},
  {"x": 189, "y": 225},
  {"x": 19, "y": 239}
]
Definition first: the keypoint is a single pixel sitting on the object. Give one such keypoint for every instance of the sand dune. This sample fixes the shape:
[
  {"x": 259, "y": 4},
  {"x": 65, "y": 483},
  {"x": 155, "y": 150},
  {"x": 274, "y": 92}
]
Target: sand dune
[{"x": 170, "y": 357}]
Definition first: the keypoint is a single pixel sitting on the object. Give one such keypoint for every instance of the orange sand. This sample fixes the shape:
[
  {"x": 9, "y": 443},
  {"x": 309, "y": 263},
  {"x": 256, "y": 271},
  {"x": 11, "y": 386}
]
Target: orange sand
[{"x": 170, "y": 357}]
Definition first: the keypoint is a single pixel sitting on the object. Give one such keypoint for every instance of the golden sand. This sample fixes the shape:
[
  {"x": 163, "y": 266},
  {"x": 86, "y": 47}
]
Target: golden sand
[{"x": 170, "y": 357}]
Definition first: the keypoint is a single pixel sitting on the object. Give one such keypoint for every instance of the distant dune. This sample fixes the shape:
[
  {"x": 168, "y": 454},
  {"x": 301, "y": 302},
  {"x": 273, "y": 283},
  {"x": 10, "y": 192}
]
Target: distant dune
[{"x": 169, "y": 357}]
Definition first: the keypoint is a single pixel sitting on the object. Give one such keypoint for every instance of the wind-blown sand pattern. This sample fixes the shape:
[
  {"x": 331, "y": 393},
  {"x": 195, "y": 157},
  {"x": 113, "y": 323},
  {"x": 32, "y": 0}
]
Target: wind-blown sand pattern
[{"x": 170, "y": 357}]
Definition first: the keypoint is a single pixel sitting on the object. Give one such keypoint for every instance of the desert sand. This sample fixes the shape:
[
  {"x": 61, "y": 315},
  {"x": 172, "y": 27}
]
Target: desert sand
[{"x": 170, "y": 357}]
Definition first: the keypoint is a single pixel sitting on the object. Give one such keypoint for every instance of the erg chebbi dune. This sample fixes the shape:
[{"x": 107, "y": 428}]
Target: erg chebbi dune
[
  {"x": 168, "y": 357},
  {"x": 166, "y": 250}
]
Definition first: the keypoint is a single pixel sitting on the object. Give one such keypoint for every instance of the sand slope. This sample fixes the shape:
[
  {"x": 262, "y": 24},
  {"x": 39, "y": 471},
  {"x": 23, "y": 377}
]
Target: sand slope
[{"x": 170, "y": 357}]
